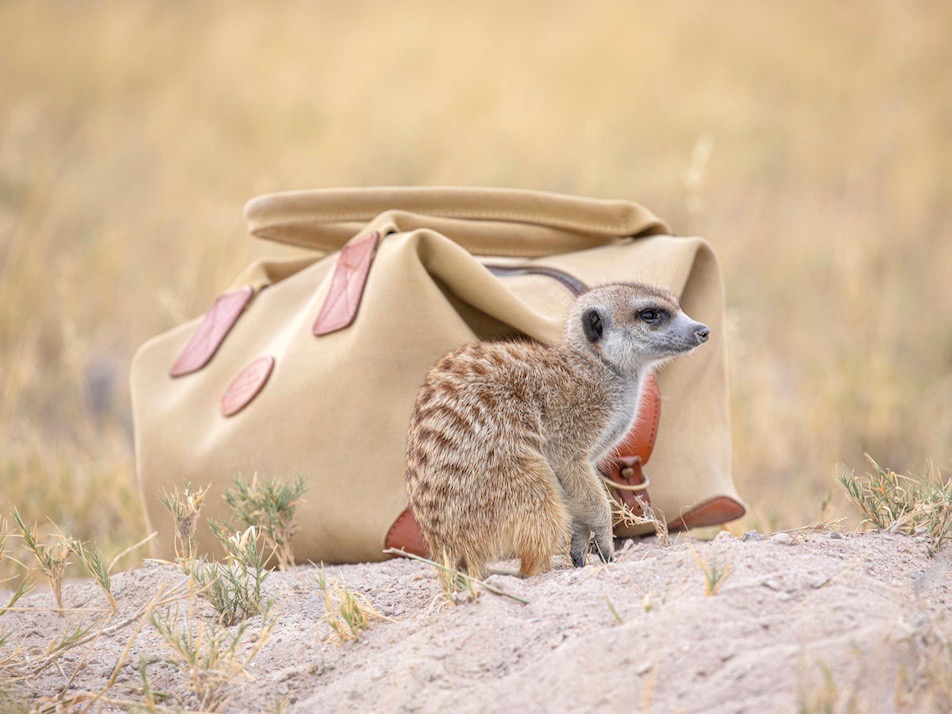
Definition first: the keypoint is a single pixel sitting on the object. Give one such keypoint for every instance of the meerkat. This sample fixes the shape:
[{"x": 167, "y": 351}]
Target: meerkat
[{"x": 504, "y": 436}]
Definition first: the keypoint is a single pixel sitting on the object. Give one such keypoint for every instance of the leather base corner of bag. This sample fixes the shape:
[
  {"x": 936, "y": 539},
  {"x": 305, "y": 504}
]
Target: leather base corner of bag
[
  {"x": 405, "y": 535},
  {"x": 712, "y": 512}
]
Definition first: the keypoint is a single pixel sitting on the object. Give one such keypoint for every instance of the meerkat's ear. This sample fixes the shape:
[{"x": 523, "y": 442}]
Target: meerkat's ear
[{"x": 592, "y": 324}]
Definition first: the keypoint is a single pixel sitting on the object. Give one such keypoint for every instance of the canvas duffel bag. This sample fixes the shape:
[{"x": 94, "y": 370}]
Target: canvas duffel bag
[{"x": 309, "y": 365}]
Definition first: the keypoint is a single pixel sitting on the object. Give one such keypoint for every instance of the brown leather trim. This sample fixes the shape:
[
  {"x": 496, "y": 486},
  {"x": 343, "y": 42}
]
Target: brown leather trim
[
  {"x": 712, "y": 512},
  {"x": 625, "y": 465},
  {"x": 640, "y": 440},
  {"x": 347, "y": 284},
  {"x": 246, "y": 386},
  {"x": 405, "y": 535},
  {"x": 211, "y": 331}
]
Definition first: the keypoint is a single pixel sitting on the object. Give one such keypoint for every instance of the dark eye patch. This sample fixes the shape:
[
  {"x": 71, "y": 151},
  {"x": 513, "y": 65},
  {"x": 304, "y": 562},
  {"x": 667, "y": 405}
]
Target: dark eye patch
[{"x": 592, "y": 325}]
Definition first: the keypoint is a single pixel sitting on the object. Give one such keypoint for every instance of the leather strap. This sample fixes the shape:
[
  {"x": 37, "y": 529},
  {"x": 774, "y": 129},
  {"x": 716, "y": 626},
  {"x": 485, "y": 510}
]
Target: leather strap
[
  {"x": 211, "y": 331},
  {"x": 622, "y": 470},
  {"x": 347, "y": 284}
]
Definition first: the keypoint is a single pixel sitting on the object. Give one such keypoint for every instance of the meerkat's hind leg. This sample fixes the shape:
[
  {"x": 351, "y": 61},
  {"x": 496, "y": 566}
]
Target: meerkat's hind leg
[
  {"x": 539, "y": 520},
  {"x": 538, "y": 541},
  {"x": 468, "y": 560}
]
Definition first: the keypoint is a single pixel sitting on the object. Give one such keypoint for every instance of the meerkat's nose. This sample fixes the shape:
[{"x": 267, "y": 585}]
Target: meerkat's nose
[{"x": 702, "y": 332}]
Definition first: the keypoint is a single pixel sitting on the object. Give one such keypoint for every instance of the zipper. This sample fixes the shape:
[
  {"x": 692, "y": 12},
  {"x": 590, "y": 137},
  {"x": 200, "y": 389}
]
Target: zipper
[{"x": 573, "y": 284}]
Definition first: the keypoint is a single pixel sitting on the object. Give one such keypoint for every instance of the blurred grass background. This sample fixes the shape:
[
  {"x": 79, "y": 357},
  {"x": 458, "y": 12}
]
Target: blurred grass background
[{"x": 808, "y": 141}]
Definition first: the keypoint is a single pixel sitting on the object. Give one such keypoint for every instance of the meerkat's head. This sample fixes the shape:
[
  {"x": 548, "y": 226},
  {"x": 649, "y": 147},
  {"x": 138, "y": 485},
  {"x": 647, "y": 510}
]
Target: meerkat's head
[{"x": 630, "y": 326}]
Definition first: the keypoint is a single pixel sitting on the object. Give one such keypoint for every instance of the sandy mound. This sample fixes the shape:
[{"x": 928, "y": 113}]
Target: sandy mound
[{"x": 818, "y": 624}]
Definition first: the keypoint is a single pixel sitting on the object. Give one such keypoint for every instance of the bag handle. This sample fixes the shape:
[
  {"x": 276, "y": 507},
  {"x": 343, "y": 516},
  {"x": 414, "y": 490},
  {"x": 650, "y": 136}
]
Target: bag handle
[{"x": 486, "y": 221}]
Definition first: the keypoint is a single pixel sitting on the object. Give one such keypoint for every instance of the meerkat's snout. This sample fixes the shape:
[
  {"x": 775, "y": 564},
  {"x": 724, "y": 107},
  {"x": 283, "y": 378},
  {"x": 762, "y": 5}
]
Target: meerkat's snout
[{"x": 702, "y": 332}]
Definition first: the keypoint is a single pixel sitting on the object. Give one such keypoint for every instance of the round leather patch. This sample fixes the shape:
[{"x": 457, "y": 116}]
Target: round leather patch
[{"x": 246, "y": 386}]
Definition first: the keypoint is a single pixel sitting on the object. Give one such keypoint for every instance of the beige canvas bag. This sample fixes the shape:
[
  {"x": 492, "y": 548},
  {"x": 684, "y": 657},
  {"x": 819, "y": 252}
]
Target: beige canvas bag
[{"x": 310, "y": 365}]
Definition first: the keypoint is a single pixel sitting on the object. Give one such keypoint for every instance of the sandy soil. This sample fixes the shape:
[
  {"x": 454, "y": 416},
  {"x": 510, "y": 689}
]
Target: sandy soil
[{"x": 816, "y": 624}]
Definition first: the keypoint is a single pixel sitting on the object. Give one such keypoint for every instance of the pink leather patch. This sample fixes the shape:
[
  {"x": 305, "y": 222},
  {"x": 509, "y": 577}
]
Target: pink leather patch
[
  {"x": 347, "y": 284},
  {"x": 211, "y": 332},
  {"x": 246, "y": 386}
]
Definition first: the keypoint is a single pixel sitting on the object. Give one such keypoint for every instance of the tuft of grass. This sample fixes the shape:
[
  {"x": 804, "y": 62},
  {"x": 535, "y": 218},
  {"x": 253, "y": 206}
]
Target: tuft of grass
[
  {"x": 185, "y": 507},
  {"x": 234, "y": 588},
  {"x": 904, "y": 504},
  {"x": 347, "y": 613},
  {"x": 52, "y": 559},
  {"x": 621, "y": 513},
  {"x": 270, "y": 506},
  {"x": 91, "y": 558},
  {"x": 24, "y": 584},
  {"x": 715, "y": 573},
  {"x": 211, "y": 656},
  {"x": 150, "y": 698}
]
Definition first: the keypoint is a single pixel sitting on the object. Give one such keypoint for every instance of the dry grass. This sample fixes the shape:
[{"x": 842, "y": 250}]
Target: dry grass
[
  {"x": 211, "y": 657},
  {"x": 185, "y": 507},
  {"x": 715, "y": 573},
  {"x": 346, "y": 612},
  {"x": 810, "y": 142},
  {"x": 918, "y": 504}
]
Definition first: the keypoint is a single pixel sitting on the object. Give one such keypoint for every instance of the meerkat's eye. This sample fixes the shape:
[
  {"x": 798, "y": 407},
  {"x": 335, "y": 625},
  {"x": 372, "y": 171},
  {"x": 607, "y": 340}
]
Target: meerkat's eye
[
  {"x": 592, "y": 324},
  {"x": 650, "y": 315}
]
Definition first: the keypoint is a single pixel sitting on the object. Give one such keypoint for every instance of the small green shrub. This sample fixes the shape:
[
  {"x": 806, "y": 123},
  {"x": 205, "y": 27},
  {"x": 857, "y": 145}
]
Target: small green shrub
[
  {"x": 270, "y": 506},
  {"x": 234, "y": 587}
]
